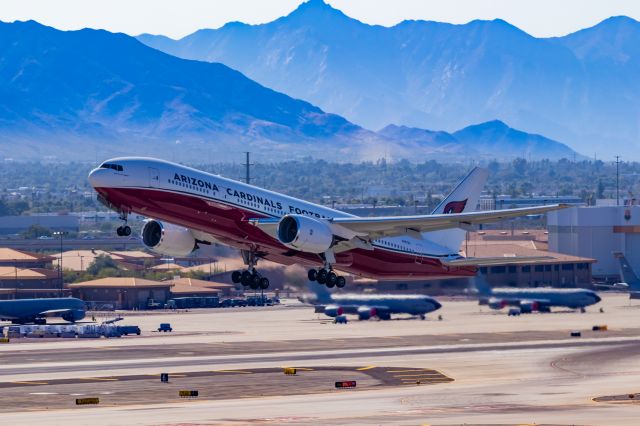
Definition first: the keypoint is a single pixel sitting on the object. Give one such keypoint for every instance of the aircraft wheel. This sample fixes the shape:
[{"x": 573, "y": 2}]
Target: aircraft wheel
[
  {"x": 245, "y": 278},
  {"x": 119, "y": 231},
  {"x": 236, "y": 277},
  {"x": 264, "y": 283},
  {"x": 332, "y": 279},
  {"x": 312, "y": 274},
  {"x": 126, "y": 230},
  {"x": 255, "y": 281},
  {"x": 341, "y": 282},
  {"x": 322, "y": 276}
]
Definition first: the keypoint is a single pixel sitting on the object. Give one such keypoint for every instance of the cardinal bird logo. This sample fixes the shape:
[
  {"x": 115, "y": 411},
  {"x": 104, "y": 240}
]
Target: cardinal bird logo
[{"x": 455, "y": 207}]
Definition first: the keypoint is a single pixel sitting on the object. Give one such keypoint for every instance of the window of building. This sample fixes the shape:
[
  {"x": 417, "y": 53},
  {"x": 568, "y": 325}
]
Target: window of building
[
  {"x": 526, "y": 268},
  {"x": 547, "y": 268},
  {"x": 539, "y": 268},
  {"x": 512, "y": 269},
  {"x": 498, "y": 270},
  {"x": 567, "y": 267},
  {"x": 556, "y": 267}
]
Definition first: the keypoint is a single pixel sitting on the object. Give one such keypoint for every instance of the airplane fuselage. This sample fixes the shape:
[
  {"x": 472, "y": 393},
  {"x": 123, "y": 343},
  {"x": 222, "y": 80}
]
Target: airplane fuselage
[
  {"x": 221, "y": 208},
  {"x": 568, "y": 298}
]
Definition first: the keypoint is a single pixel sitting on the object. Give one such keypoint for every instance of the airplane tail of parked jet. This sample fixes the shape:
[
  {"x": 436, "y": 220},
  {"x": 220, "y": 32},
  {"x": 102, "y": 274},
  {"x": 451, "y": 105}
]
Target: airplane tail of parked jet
[
  {"x": 464, "y": 198},
  {"x": 628, "y": 276}
]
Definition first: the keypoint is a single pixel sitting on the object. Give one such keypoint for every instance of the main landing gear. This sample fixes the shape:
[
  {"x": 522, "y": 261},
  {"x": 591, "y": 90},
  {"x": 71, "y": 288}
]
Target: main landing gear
[
  {"x": 327, "y": 277},
  {"x": 125, "y": 230},
  {"x": 250, "y": 277}
]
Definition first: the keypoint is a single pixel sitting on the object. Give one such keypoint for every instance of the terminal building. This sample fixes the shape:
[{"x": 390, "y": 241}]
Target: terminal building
[{"x": 598, "y": 232}]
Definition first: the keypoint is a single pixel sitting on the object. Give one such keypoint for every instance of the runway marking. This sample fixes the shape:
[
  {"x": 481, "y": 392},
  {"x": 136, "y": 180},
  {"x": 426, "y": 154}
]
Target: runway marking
[
  {"x": 409, "y": 371},
  {"x": 233, "y": 371},
  {"x": 31, "y": 383},
  {"x": 366, "y": 368},
  {"x": 100, "y": 379}
]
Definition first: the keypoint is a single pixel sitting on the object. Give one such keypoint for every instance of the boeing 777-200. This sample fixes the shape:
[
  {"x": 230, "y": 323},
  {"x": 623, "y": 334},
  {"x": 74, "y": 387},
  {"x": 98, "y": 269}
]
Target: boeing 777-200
[{"x": 187, "y": 207}]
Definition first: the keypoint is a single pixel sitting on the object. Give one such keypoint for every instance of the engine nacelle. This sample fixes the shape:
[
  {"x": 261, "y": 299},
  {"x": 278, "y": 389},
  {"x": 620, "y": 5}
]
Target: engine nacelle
[
  {"x": 366, "y": 312},
  {"x": 333, "y": 311},
  {"x": 496, "y": 303},
  {"x": 73, "y": 315},
  {"x": 526, "y": 307},
  {"x": 168, "y": 239},
  {"x": 304, "y": 233}
]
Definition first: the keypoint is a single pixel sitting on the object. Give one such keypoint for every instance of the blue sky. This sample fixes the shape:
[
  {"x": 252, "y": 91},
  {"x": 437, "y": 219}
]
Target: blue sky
[{"x": 177, "y": 18}]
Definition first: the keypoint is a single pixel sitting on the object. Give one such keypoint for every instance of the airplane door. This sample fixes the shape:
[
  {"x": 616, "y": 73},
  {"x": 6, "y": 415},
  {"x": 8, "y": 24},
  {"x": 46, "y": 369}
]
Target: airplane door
[{"x": 154, "y": 177}]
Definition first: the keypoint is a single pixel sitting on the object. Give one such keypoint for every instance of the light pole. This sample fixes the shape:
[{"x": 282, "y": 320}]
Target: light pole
[{"x": 60, "y": 234}]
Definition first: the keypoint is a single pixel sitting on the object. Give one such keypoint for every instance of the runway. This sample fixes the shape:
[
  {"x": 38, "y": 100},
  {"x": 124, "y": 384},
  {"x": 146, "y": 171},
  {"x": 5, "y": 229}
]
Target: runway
[{"x": 549, "y": 379}]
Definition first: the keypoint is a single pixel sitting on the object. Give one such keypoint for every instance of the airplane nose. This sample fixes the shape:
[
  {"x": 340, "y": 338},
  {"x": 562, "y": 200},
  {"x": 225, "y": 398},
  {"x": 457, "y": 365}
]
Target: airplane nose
[
  {"x": 597, "y": 298},
  {"x": 436, "y": 305},
  {"x": 97, "y": 177}
]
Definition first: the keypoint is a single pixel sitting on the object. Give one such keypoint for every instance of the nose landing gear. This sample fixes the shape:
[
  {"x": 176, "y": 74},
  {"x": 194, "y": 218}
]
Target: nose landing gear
[{"x": 124, "y": 230}]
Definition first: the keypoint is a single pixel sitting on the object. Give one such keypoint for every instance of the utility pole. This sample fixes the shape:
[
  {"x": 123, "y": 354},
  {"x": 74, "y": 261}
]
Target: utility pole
[
  {"x": 248, "y": 165},
  {"x": 617, "y": 180}
]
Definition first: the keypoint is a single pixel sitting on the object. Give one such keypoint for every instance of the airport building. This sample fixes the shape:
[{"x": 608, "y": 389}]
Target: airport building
[
  {"x": 122, "y": 293},
  {"x": 23, "y": 259},
  {"x": 543, "y": 269},
  {"x": 22, "y": 283},
  {"x": 598, "y": 232},
  {"x": 191, "y": 287}
]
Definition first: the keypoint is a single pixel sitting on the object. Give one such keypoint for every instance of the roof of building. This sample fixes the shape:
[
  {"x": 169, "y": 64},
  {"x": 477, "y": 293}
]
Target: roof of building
[
  {"x": 509, "y": 250},
  {"x": 134, "y": 254},
  {"x": 167, "y": 267},
  {"x": 7, "y": 254},
  {"x": 118, "y": 282},
  {"x": 11, "y": 272},
  {"x": 193, "y": 282}
]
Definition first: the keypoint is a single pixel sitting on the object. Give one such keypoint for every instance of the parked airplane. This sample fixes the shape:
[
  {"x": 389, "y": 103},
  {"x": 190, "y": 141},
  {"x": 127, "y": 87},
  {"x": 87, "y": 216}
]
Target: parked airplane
[
  {"x": 22, "y": 311},
  {"x": 629, "y": 278},
  {"x": 367, "y": 306},
  {"x": 188, "y": 207},
  {"x": 534, "y": 299}
]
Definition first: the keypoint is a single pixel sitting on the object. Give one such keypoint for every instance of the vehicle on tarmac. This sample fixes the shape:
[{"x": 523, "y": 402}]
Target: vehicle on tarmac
[
  {"x": 534, "y": 299},
  {"x": 367, "y": 306},
  {"x": 125, "y": 330},
  {"x": 24, "y": 311},
  {"x": 188, "y": 207},
  {"x": 164, "y": 327}
]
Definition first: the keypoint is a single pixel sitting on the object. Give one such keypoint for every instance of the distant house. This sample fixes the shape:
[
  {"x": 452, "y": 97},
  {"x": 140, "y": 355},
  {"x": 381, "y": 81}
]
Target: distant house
[
  {"x": 191, "y": 287},
  {"x": 22, "y": 283},
  {"x": 23, "y": 259}
]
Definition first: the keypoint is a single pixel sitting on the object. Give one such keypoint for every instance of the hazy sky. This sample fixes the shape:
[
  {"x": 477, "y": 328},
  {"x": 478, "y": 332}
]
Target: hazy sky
[{"x": 177, "y": 18}]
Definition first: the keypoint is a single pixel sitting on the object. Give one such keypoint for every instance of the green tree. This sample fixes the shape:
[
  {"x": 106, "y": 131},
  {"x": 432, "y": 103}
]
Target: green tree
[
  {"x": 101, "y": 263},
  {"x": 36, "y": 231}
]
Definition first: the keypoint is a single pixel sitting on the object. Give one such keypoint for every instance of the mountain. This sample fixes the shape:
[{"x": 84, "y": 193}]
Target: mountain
[
  {"x": 86, "y": 94},
  {"x": 493, "y": 139},
  {"x": 582, "y": 88}
]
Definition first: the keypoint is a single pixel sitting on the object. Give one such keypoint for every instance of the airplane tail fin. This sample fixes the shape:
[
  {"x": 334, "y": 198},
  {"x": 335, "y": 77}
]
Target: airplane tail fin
[
  {"x": 627, "y": 274},
  {"x": 321, "y": 292},
  {"x": 463, "y": 198},
  {"x": 483, "y": 287}
]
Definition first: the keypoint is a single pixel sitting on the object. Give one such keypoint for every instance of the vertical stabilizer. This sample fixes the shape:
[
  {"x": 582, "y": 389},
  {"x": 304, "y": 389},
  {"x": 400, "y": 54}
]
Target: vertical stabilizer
[
  {"x": 464, "y": 198},
  {"x": 627, "y": 275},
  {"x": 483, "y": 287}
]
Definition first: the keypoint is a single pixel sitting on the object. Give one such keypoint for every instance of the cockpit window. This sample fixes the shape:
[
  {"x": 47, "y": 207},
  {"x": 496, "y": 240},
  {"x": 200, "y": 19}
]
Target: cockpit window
[{"x": 116, "y": 167}]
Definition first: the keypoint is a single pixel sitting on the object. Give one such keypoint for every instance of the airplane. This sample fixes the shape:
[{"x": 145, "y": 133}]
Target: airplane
[
  {"x": 628, "y": 276},
  {"x": 187, "y": 207},
  {"x": 367, "y": 306},
  {"x": 22, "y": 311},
  {"x": 534, "y": 299}
]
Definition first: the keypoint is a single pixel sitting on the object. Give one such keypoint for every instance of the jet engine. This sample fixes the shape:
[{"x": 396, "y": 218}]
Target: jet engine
[
  {"x": 526, "y": 307},
  {"x": 305, "y": 233},
  {"x": 333, "y": 311},
  {"x": 168, "y": 239},
  {"x": 366, "y": 312},
  {"x": 73, "y": 315}
]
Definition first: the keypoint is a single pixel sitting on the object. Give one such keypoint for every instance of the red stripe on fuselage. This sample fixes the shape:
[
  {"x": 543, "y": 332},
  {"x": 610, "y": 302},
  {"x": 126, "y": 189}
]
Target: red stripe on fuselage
[{"x": 229, "y": 225}]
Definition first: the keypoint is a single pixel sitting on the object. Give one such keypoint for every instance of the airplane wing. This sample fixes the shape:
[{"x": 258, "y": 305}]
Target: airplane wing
[
  {"x": 359, "y": 230},
  {"x": 489, "y": 261},
  {"x": 377, "y": 227}
]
